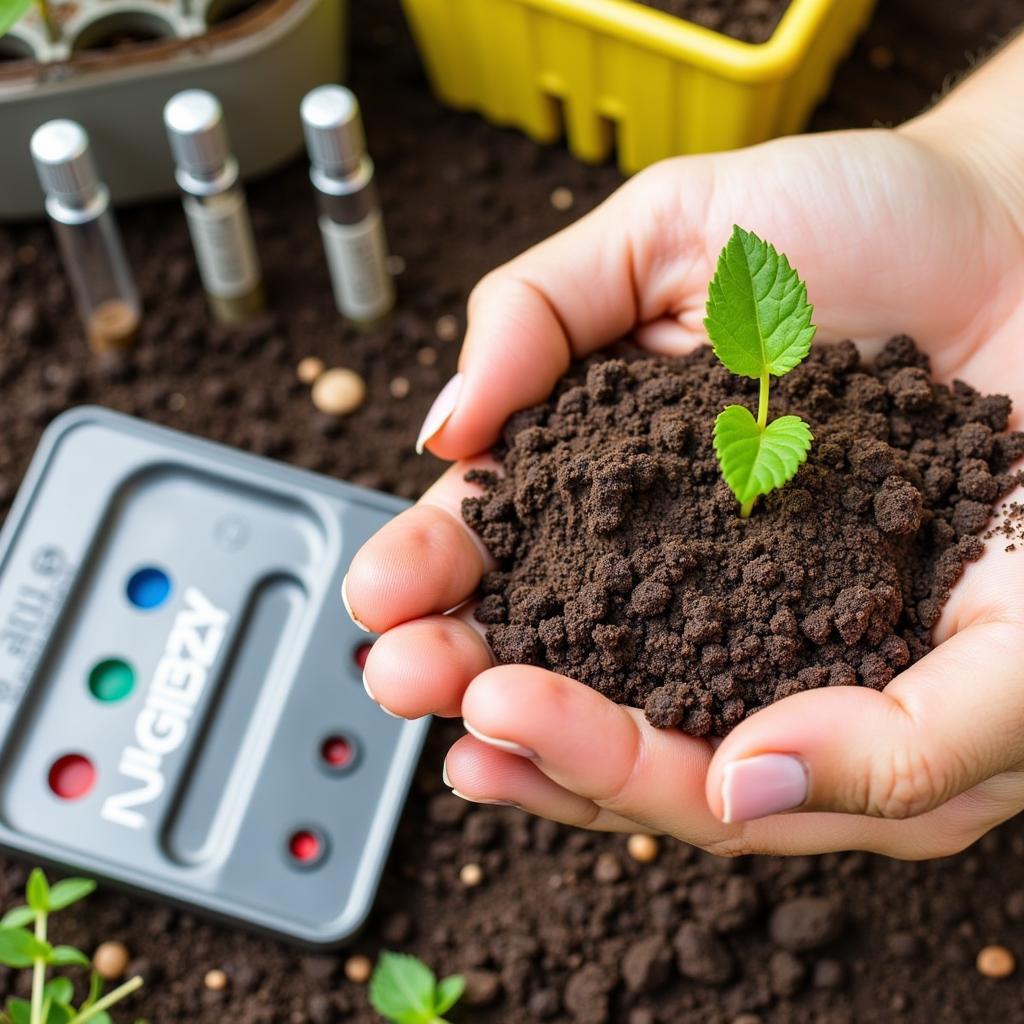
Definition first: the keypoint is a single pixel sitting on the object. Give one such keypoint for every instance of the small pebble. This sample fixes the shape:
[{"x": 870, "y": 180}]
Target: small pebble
[
  {"x": 426, "y": 356},
  {"x": 338, "y": 392},
  {"x": 642, "y": 848},
  {"x": 309, "y": 369},
  {"x": 471, "y": 875},
  {"x": 607, "y": 868},
  {"x": 400, "y": 387},
  {"x": 358, "y": 969},
  {"x": 562, "y": 198},
  {"x": 446, "y": 328},
  {"x": 176, "y": 401},
  {"x": 995, "y": 962},
  {"x": 216, "y": 980},
  {"x": 396, "y": 265},
  {"x": 111, "y": 960}
]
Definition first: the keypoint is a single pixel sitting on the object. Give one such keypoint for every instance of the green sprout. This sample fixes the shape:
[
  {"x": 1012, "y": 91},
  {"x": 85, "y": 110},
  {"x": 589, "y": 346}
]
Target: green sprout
[
  {"x": 12, "y": 10},
  {"x": 405, "y": 990},
  {"x": 759, "y": 322},
  {"x": 23, "y": 944}
]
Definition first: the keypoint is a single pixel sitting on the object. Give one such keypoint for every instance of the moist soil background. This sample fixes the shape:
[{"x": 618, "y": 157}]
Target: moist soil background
[
  {"x": 623, "y": 561},
  {"x": 564, "y": 926},
  {"x": 752, "y": 21}
]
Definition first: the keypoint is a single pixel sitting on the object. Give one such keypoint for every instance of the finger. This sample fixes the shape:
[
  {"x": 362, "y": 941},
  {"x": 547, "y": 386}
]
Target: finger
[
  {"x": 425, "y": 561},
  {"x": 656, "y": 777},
  {"x": 482, "y": 774},
  {"x": 630, "y": 261},
  {"x": 949, "y": 722},
  {"x": 423, "y": 667}
]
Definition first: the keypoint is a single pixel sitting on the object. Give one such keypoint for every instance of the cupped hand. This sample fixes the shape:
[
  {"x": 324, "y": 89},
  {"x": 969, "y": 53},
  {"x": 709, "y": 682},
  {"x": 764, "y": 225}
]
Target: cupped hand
[{"x": 892, "y": 235}]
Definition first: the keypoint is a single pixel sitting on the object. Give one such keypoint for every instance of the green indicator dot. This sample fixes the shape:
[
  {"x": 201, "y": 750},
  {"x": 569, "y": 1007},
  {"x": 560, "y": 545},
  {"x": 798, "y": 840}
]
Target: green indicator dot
[{"x": 111, "y": 679}]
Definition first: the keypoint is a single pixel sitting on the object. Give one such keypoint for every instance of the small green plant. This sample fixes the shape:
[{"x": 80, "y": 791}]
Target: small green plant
[
  {"x": 12, "y": 10},
  {"x": 759, "y": 322},
  {"x": 406, "y": 991},
  {"x": 23, "y": 943}
]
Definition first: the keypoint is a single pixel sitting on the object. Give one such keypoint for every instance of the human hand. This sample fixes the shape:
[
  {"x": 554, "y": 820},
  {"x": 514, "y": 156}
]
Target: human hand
[{"x": 892, "y": 234}]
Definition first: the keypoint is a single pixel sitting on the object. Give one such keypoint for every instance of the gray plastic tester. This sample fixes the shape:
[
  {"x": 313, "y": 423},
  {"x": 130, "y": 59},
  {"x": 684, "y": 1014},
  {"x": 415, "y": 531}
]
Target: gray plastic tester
[{"x": 180, "y": 700}]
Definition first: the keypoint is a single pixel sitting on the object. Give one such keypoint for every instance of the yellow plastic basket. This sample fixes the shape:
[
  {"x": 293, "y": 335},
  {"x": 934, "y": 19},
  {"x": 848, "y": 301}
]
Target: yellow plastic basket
[{"x": 617, "y": 73}]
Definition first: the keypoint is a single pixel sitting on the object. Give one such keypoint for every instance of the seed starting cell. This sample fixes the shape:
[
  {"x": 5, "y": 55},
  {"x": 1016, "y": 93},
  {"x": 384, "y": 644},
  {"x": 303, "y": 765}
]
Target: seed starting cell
[{"x": 181, "y": 709}]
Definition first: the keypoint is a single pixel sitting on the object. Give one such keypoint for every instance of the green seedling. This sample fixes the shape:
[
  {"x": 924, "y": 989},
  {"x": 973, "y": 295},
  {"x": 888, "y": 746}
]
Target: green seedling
[
  {"x": 23, "y": 944},
  {"x": 12, "y": 10},
  {"x": 759, "y": 322},
  {"x": 406, "y": 991}
]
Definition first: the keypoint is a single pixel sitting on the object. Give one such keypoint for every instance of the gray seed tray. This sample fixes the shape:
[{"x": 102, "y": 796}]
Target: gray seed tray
[
  {"x": 181, "y": 709},
  {"x": 114, "y": 64}
]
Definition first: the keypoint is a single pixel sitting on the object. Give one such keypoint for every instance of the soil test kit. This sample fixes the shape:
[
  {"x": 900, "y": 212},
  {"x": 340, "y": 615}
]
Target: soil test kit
[{"x": 180, "y": 701}]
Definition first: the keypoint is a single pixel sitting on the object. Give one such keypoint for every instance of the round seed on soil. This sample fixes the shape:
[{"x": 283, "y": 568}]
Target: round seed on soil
[
  {"x": 358, "y": 969},
  {"x": 395, "y": 265},
  {"x": 111, "y": 960},
  {"x": 309, "y": 369},
  {"x": 338, "y": 392},
  {"x": 400, "y": 387},
  {"x": 642, "y": 848},
  {"x": 446, "y": 328},
  {"x": 607, "y": 868},
  {"x": 995, "y": 962},
  {"x": 471, "y": 875},
  {"x": 216, "y": 980},
  {"x": 562, "y": 198},
  {"x": 426, "y": 356}
]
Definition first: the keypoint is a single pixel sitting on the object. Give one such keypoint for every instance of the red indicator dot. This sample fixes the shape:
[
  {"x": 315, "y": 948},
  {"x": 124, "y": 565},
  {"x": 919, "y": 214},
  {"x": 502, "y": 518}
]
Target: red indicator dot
[
  {"x": 360, "y": 654},
  {"x": 337, "y": 752},
  {"x": 72, "y": 776},
  {"x": 305, "y": 846}
]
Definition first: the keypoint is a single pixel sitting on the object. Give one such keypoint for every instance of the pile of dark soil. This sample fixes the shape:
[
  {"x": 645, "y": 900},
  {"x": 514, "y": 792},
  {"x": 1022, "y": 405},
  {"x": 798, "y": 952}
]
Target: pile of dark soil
[
  {"x": 751, "y": 21},
  {"x": 626, "y": 564},
  {"x": 565, "y": 928}
]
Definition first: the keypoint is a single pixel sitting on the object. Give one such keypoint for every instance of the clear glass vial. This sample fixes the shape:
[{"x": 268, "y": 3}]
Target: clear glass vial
[
  {"x": 350, "y": 216},
  {"x": 215, "y": 206},
  {"x": 78, "y": 204}
]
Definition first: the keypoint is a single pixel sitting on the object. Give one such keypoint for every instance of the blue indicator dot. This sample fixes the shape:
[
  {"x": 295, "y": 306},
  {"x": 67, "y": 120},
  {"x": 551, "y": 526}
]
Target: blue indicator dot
[{"x": 148, "y": 588}]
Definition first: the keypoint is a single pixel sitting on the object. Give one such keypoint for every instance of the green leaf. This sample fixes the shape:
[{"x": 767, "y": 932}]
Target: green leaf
[
  {"x": 59, "y": 1013},
  {"x": 60, "y": 990},
  {"x": 19, "y": 1010},
  {"x": 101, "y": 1018},
  {"x": 18, "y": 917},
  {"x": 69, "y": 891},
  {"x": 402, "y": 989},
  {"x": 11, "y": 11},
  {"x": 68, "y": 956},
  {"x": 95, "y": 990},
  {"x": 758, "y": 316},
  {"x": 448, "y": 993},
  {"x": 18, "y": 948},
  {"x": 37, "y": 892},
  {"x": 756, "y": 461}
]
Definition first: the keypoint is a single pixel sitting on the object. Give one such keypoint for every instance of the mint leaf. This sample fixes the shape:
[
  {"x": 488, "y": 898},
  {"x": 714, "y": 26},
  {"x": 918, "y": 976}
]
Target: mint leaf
[
  {"x": 758, "y": 316},
  {"x": 69, "y": 891},
  {"x": 10, "y": 12},
  {"x": 449, "y": 992},
  {"x": 755, "y": 461},
  {"x": 18, "y": 917},
  {"x": 402, "y": 989},
  {"x": 59, "y": 990},
  {"x": 19, "y": 948},
  {"x": 37, "y": 892}
]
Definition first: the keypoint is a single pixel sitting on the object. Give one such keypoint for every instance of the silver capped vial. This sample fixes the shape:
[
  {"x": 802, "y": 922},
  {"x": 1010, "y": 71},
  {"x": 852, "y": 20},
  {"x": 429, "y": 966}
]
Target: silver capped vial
[
  {"x": 215, "y": 206},
  {"x": 78, "y": 204},
  {"x": 350, "y": 219}
]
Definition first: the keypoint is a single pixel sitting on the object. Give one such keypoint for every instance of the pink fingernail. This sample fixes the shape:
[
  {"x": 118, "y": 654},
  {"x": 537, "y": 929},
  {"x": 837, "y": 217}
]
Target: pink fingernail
[
  {"x": 758, "y": 786},
  {"x": 348, "y": 607},
  {"x": 483, "y": 800},
  {"x": 369, "y": 693},
  {"x": 509, "y": 746},
  {"x": 443, "y": 407}
]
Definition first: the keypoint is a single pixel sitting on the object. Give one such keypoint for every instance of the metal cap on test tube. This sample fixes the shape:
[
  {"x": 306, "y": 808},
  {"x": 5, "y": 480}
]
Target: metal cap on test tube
[
  {"x": 199, "y": 142},
  {"x": 60, "y": 150},
  {"x": 333, "y": 127}
]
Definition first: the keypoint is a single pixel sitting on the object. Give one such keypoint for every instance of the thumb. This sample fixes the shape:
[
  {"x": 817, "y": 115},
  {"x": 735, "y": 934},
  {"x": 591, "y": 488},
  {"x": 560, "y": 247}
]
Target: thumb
[{"x": 946, "y": 724}]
